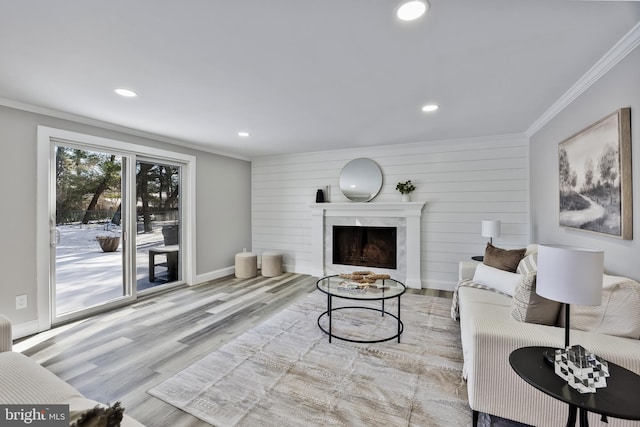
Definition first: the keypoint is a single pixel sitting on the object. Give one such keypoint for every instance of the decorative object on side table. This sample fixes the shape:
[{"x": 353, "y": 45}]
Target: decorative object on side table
[
  {"x": 571, "y": 276},
  {"x": 405, "y": 188},
  {"x": 618, "y": 400},
  {"x": 490, "y": 229},
  {"x": 582, "y": 369}
]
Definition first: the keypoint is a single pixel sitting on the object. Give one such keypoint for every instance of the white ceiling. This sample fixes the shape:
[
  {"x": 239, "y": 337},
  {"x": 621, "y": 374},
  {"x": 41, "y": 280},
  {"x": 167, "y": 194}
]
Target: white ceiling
[{"x": 303, "y": 75}]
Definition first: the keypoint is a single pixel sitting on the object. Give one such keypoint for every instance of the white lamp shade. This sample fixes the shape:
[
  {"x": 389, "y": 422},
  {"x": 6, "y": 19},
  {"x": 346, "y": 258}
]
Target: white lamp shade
[
  {"x": 570, "y": 275},
  {"x": 490, "y": 228}
]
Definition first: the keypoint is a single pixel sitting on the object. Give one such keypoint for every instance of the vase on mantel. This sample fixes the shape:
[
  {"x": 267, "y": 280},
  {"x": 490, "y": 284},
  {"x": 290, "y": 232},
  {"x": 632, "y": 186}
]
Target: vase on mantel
[{"x": 406, "y": 197}]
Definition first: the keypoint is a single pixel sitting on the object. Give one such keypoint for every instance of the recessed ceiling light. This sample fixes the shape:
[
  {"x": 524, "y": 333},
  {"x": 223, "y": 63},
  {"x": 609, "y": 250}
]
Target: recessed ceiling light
[
  {"x": 126, "y": 93},
  {"x": 243, "y": 134},
  {"x": 412, "y": 9},
  {"x": 430, "y": 107}
]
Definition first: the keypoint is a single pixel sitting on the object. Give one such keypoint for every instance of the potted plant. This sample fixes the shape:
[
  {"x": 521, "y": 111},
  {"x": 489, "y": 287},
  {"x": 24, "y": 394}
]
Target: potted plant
[
  {"x": 405, "y": 188},
  {"x": 170, "y": 234},
  {"x": 110, "y": 241}
]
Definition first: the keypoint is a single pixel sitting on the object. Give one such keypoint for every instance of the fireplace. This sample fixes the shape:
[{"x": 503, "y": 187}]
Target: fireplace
[
  {"x": 405, "y": 217},
  {"x": 365, "y": 246}
]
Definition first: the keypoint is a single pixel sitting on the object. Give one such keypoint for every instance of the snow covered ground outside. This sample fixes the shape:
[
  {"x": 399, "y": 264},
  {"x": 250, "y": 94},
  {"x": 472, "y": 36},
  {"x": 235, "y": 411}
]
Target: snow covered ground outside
[{"x": 87, "y": 276}]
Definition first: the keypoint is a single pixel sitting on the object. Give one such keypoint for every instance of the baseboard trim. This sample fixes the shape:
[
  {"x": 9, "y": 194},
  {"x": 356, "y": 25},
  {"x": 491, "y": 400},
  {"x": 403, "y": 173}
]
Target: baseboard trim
[
  {"x": 25, "y": 329},
  {"x": 441, "y": 285},
  {"x": 213, "y": 275}
]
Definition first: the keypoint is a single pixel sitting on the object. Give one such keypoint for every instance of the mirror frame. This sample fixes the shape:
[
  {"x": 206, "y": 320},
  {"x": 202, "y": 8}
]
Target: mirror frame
[{"x": 363, "y": 174}]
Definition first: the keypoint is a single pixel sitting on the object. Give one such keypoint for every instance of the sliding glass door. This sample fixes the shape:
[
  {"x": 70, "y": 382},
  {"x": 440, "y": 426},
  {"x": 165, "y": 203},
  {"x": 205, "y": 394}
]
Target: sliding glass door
[
  {"x": 114, "y": 220},
  {"x": 158, "y": 232},
  {"x": 88, "y": 250}
]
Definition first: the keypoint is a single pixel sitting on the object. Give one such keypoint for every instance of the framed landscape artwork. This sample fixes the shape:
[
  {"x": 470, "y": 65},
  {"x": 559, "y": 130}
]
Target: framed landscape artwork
[{"x": 595, "y": 177}]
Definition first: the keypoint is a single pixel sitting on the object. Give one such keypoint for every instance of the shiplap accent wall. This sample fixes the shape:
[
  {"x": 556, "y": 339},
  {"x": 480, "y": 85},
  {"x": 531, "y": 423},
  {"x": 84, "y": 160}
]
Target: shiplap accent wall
[{"x": 462, "y": 182}]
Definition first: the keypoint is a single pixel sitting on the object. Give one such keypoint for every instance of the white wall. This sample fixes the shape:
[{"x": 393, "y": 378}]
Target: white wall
[
  {"x": 462, "y": 182},
  {"x": 618, "y": 88},
  {"x": 223, "y": 220}
]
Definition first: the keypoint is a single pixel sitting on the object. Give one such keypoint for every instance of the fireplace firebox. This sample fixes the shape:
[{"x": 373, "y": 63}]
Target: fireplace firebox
[{"x": 365, "y": 246}]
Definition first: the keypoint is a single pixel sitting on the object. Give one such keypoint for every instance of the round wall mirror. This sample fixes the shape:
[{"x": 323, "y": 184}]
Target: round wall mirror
[{"x": 360, "y": 180}]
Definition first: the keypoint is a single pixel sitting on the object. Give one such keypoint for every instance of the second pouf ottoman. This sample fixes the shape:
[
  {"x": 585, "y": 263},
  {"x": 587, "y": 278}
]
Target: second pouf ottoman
[
  {"x": 246, "y": 265},
  {"x": 271, "y": 264}
]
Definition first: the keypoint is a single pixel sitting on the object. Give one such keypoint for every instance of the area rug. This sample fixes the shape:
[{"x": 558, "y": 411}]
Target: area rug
[{"x": 285, "y": 372}]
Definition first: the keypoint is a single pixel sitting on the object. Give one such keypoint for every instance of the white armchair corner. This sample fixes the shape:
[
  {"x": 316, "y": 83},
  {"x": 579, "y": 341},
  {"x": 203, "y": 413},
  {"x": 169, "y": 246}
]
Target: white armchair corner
[{"x": 6, "y": 339}]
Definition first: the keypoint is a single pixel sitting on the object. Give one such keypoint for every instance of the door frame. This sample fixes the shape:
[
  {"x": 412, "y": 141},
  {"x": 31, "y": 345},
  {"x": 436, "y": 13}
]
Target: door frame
[{"x": 47, "y": 138}]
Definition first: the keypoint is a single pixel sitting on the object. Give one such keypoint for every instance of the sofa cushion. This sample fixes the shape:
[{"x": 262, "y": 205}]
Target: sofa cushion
[
  {"x": 500, "y": 280},
  {"x": 617, "y": 315},
  {"x": 503, "y": 259},
  {"x": 531, "y": 248},
  {"x": 528, "y": 264},
  {"x": 25, "y": 381},
  {"x": 527, "y": 306}
]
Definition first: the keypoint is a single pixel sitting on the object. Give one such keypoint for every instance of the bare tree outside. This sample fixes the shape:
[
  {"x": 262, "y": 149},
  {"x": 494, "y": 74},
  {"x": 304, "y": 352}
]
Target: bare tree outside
[{"x": 88, "y": 185}]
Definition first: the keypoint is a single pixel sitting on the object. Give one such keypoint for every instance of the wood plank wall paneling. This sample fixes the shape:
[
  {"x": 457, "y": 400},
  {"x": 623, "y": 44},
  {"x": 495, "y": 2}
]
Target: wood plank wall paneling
[{"x": 462, "y": 181}]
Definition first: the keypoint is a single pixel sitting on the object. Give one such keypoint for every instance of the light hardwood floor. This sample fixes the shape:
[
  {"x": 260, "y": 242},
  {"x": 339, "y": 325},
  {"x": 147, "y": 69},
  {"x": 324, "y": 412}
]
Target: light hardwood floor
[{"x": 119, "y": 355}]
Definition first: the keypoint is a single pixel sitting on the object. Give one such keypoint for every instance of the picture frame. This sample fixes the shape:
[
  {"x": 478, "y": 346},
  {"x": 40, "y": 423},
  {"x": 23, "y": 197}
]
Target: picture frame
[{"x": 595, "y": 178}]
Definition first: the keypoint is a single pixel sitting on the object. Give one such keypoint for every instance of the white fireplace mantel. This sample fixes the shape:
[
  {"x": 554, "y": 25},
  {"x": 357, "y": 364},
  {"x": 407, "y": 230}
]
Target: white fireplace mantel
[{"x": 411, "y": 211}]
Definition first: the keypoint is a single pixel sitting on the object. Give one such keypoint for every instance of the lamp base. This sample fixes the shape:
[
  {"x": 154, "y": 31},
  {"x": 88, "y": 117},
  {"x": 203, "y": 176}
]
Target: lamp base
[{"x": 549, "y": 357}]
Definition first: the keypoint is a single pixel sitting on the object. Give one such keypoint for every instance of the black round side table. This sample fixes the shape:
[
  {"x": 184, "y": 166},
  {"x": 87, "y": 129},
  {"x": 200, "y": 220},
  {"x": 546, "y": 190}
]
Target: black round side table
[{"x": 619, "y": 399}]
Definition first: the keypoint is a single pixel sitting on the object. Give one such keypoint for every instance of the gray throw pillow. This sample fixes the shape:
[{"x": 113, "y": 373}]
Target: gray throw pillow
[{"x": 527, "y": 306}]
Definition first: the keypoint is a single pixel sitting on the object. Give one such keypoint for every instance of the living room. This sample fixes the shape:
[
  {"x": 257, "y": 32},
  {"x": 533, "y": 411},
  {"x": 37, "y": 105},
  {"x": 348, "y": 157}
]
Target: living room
[{"x": 263, "y": 202}]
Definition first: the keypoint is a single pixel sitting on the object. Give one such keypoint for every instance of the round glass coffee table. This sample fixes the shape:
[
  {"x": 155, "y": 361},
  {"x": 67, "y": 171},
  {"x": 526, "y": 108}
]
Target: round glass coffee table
[{"x": 382, "y": 290}]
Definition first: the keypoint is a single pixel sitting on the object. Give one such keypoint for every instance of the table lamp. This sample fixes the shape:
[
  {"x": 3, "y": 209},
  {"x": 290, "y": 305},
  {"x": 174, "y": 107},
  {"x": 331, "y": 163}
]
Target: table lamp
[
  {"x": 571, "y": 276},
  {"x": 490, "y": 229}
]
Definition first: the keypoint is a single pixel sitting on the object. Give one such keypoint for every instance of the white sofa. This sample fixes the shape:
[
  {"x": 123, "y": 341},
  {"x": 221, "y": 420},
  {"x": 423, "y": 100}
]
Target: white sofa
[
  {"x": 489, "y": 334},
  {"x": 23, "y": 381}
]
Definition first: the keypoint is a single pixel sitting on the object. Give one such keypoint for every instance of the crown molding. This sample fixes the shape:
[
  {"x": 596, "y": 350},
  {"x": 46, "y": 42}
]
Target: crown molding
[
  {"x": 617, "y": 53},
  {"x": 113, "y": 127}
]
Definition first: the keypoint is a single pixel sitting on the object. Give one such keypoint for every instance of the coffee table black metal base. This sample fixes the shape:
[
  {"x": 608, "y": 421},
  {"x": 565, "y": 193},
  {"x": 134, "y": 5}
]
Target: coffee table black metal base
[
  {"x": 329, "y": 332},
  {"x": 384, "y": 289}
]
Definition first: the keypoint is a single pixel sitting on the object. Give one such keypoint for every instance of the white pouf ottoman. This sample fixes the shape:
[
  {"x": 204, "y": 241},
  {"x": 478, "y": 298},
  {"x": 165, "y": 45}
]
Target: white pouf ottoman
[
  {"x": 271, "y": 264},
  {"x": 246, "y": 265}
]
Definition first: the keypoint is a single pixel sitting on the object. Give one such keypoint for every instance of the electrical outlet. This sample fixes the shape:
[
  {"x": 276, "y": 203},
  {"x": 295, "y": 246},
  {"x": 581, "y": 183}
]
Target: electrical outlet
[{"x": 21, "y": 302}]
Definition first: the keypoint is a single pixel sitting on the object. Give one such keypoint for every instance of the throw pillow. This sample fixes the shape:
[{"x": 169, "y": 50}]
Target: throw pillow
[
  {"x": 618, "y": 315},
  {"x": 527, "y": 306},
  {"x": 503, "y": 259},
  {"x": 528, "y": 264},
  {"x": 500, "y": 280},
  {"x": 99, "y": 416}
]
